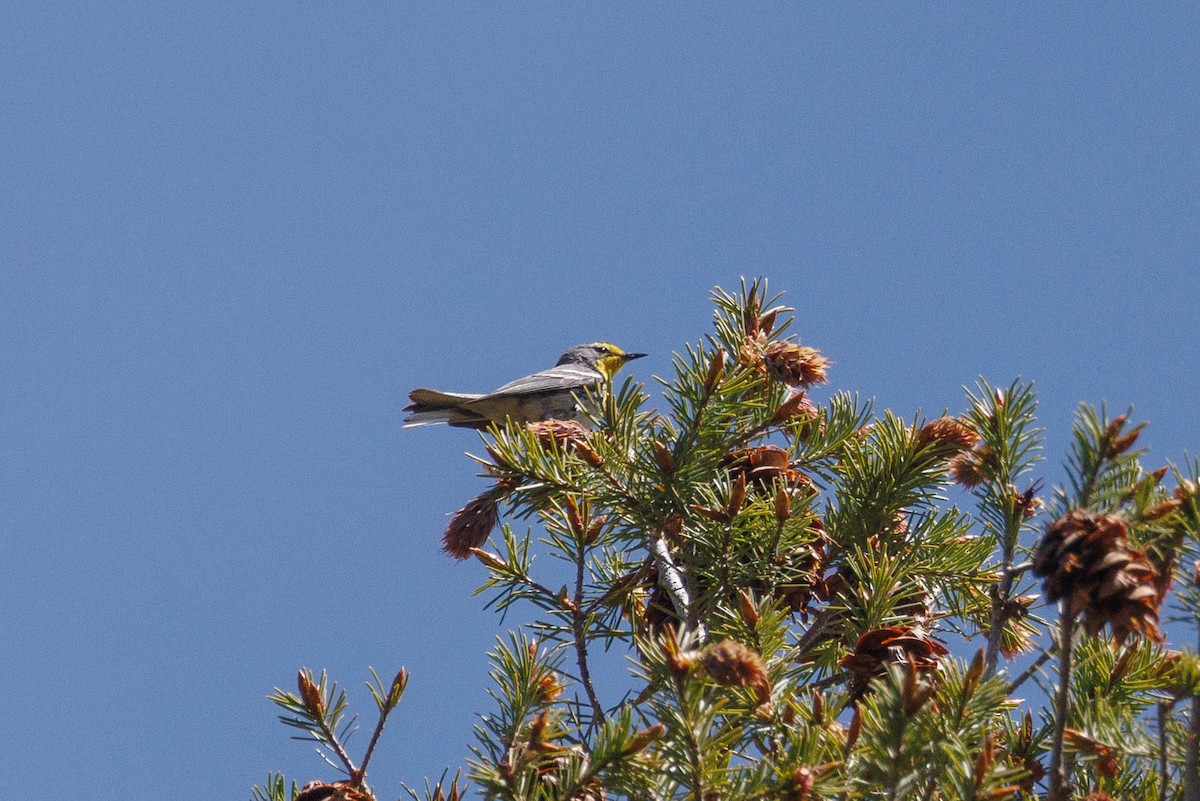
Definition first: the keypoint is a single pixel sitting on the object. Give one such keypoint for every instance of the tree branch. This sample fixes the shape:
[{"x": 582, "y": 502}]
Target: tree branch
[
  {"x": 672, "y": 579},
  {"x": 578, "y": 630},
  {"x": 1060, "y": 787}
]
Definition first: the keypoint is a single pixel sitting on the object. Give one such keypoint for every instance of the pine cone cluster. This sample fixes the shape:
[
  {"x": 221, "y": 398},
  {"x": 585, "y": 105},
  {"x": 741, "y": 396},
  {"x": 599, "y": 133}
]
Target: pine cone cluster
[
  {"x": 732, "y": 664},
  {"x": 795, "y": 365},
  {"x": 333, "y": 791},
  {"x": 948, "y": 432},
  {"x": 750, "y": 354},
  {"x": 562, "y": 432},
  {"x": 1088, "y": 563},
  {"x": 762, "y": 465},
  {"x": 878, "y": 648},
  {"x": 973, "y": 467},
  {"x": 471, "y": 525}
]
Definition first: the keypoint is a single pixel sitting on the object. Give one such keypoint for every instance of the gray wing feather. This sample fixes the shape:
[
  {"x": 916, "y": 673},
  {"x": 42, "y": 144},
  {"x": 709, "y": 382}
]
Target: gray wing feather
[{"x": 567, "y": 376}]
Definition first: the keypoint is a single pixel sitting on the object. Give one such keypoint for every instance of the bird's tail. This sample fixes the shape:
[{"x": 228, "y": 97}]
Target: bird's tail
[{"x": 430, "y": 407}]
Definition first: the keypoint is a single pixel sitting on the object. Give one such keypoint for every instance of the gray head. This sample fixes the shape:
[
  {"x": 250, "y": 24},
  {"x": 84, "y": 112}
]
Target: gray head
[{"x": 601, "y": 356}]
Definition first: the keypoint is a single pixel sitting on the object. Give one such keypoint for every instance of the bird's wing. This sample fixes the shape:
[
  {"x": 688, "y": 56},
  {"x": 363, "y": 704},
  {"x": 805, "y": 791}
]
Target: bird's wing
[{"x": 566, "y": 376}]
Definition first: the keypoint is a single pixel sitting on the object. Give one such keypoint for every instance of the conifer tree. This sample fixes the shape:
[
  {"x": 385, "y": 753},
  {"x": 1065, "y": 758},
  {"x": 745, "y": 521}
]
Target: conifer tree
[{"x": 819, "y": 601}]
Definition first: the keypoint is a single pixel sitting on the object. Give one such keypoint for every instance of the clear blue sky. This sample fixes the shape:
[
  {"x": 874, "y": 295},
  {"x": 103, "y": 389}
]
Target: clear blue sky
[{"x": 233, "y": 235}]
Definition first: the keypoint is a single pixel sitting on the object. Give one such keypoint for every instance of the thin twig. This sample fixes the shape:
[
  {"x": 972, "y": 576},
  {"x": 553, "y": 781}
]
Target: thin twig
[
  {"x": 829, "y": 681},
  {"x": 1002, "y": 591},
  {"x": 811, "y": 637},
  {"x": 1034, "y": 668},
  {"x": 1060, "y": 787},
  {"x": 361, "y": 774},
  {"x": 524, "y": 578},
  {"x": 577, "y": 629},
  {"x": 693, "y": 747},
  {"x": 333, "y": 742},
  {"x": 1191, "y": 762},
  {"x": 1164, "y": 709}
]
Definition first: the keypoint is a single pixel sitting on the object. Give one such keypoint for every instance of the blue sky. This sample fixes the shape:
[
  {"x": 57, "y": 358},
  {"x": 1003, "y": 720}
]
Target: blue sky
[{"x": 233, "y": 235}]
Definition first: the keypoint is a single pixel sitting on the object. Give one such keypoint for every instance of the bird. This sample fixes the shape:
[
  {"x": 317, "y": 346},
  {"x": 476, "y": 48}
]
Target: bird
[{"x": 549, "y": 394}]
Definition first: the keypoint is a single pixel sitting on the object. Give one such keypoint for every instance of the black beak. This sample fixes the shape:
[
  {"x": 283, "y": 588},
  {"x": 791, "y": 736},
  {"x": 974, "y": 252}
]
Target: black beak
[{"x": 631, "y": 356}]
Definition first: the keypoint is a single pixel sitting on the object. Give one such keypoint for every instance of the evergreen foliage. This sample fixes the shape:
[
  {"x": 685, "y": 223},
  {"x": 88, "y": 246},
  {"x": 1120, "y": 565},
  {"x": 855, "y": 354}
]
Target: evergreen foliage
[{"x": 789, "y": 580}]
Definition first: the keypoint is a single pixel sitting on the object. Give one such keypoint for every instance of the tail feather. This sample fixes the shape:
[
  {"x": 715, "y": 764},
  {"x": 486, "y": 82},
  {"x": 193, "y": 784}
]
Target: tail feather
[
  {"x": 430, "y": 407},
  {"x": 433, "y": 397},
  {"x": 437, "y": 417}
]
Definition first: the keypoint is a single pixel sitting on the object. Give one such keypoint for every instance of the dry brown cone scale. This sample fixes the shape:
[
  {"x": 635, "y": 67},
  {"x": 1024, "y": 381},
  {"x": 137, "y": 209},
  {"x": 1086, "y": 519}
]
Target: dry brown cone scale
[
  {"x": 1089, "y": 565},
  {"x": 333, "y": 791},
  {"x": 763, "y": 464},
  {"x": 750, "y": 354},
  {"x": 564, "y": 433},
  {"x": 878, "y": 648}
]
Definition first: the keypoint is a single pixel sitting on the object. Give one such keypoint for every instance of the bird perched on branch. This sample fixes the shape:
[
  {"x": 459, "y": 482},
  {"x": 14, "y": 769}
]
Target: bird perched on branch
[{"x": 550, "y": 394}]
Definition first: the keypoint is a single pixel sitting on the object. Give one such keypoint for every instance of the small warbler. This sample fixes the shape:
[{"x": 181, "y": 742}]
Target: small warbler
[{"x": 550, "y": 394}]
